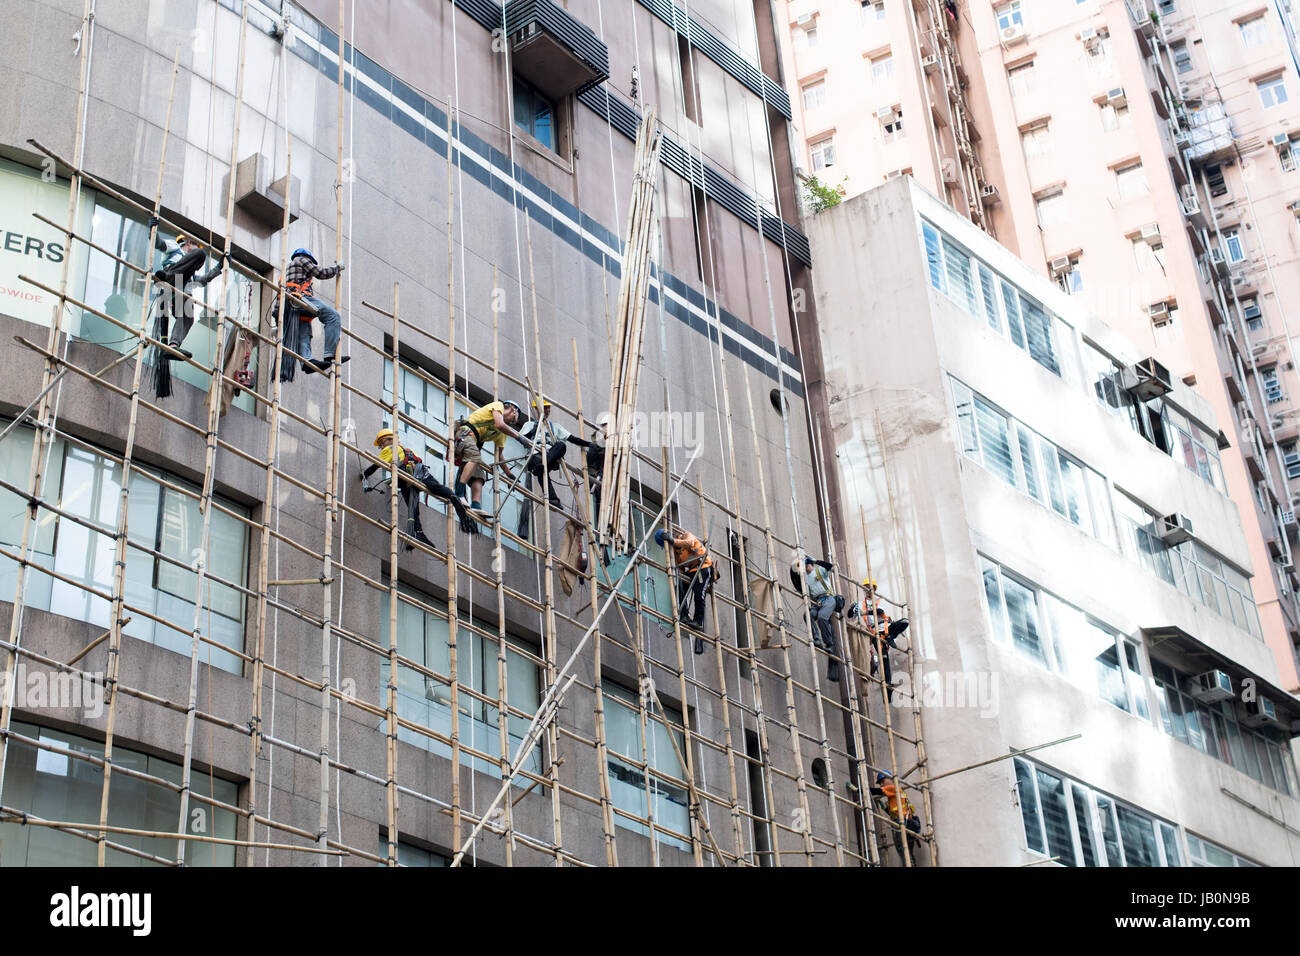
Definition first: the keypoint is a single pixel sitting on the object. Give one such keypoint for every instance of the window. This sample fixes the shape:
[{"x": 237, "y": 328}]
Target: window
[
  {"x": 891, "y": 126},
  {"x": 1272, "y": 92},
  {"x": 823, "y": 153},
  {"x": 1030, "y": 463},
  {"x": 1254, "y": 32},
  {"x": 1204, "y": 853},
  {"x": 882, "y": 68},
  {"x": 1291, "y": 458},
  {"x": 59, "y": 787},
  {"x": 1131, "y": 181},
  {"x": 656, "y": 591},
  {"x": 1194, "y": 446},
  {"x": 1286, "y": 155},
  {"x": 1078, "y": 825},
  {"x": 1051, "y": 209},
  {"x": 88, "y": 486},
  {"x": 1148, "y": 256},
  {"x": 1038, "y": 140},
  {"x": 873, "y": 12},
  {"x": 1182, "y": 56},
  {"x": 1071, "y": 279},
  {"x": 1008, "y": 15},
  {"x": 1190, "y": 567},
  {"x": 1232, "y": 246},
  {"x": 814, "y": 95},
  {"x": 424, "y": 637},
  {"x": 1167, "y": 7},
  {"x": 1250, "y": 311},
  {"x": 1114, "y": 117},
  {"x": 657, "y": 793},
  {"x": 690, "y": 83},
  {"x": 1272, "y": 386},
  {"x": 974, "y": 286},
  {"x": 1214, "y": 729},
  {"x": 1214, "y": 180},
  {"x": 805, "y": 38},
  {"x": 118, "y": 291},
  {"x": 535, "y": 114},
  {"x": 1022, "y": 79},
  {"x": 423, "y": 406}
]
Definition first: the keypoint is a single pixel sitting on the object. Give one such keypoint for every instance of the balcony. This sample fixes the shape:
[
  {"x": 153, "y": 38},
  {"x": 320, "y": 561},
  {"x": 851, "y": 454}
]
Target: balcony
[
  {"x": 553, "y": 51},
  {"x": 1210, "y": 134}
]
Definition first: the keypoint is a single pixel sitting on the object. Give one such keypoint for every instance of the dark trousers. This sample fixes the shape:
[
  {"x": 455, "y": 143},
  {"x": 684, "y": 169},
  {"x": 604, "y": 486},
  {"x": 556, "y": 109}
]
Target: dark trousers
[
  {"x": 913, "y": 826},
  {"x": 693, "y": 585},
  {"x": 533, "y": 469},
  {"x": 823, "y": 632}
]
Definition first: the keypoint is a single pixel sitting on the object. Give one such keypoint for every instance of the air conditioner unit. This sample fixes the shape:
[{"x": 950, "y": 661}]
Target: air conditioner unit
[
  {"x": 885, "y": 113},
  {"x": 1260, "y": 711},
  {"x": 1147, "y": 379},
  {"x": 1281, "y": 139},
  {"x": 804, "y": 19},
  {"x": 1288, "y": 517},
  {"x": 1116, "y": 97},
  {"x": 1159, "y": 313},
  {"x": 1218, "y": 261},
  {"x": 989, "y": 195},
  {"x": 1174, "y": 529},
  {"x": 1187, "y": 194},
  {"x": 949, "y": 169},
  {"x": 1151, "y": 233},
  {"x": 1012, "y": 34},
  {"x": 1060, "y": 266},
  {"x": 1211, "y": 686},
  {"x": 930, "y": 64},
  {"x": 1088, "y": 35}
]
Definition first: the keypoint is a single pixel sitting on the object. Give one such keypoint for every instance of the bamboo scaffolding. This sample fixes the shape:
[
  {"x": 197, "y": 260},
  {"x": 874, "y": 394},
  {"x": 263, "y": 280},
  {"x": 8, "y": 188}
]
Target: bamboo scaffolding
[{"x": 390, "y": 710}]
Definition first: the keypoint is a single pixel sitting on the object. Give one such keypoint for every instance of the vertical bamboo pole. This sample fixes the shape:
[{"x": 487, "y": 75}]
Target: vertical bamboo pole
[
  {"x": 453, "y": 606},
  {"x": 41, "y": 438},
  {"x": 269, "y": 503},
  {"x": 390, "y": 711},
  {"x": 602, "y": 748},
  {"x": 119, "y": 536},
  {"x": 552, "y": 729},
  {"x": 209, "y": 471}
]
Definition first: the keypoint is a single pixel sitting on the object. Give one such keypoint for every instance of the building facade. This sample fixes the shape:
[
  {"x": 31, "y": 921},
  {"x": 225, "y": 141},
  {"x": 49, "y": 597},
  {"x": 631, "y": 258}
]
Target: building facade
[
  {"x": 1141, "y": 158},
  {"x": 1083, "y": 594},
  {"x": 474, "y": 181}
]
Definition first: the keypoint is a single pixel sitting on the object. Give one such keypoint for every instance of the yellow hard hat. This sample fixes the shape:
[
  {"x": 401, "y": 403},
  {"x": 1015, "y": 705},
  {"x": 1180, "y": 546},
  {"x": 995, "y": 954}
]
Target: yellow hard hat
[
  {"x": 869, "y": 583},
  {"x": 182, "y": 239},
  {"x": 384, "y": 433},
  {"x": 546, "y": 402}
]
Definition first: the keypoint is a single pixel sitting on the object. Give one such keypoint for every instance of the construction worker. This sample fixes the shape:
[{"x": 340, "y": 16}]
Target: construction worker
[
  {"x": 297, "y": 279},
  {"x": 550, "y": 442},
  {"x": 411, "y": 470},
  {"x": 180, "y": 267},
  {"x": 890, "y": 796},
  {"x": 822, "y": 603},
  {"x": 494, "y": 422},
  {"x": 695, "y": 576},
  {"x": 879, "y": 624}
]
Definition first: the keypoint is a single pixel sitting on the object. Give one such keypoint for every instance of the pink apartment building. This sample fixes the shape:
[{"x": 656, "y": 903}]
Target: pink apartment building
[{"x": 1142, "y": 154}]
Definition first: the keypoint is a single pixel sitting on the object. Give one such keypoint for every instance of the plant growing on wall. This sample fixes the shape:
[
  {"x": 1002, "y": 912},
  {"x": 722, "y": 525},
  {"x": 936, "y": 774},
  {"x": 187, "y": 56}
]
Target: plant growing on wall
[{"x": 818, "y": 195}]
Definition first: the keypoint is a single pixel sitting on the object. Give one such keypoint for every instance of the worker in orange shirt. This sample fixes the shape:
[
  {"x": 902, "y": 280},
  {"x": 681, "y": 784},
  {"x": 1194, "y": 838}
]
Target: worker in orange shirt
[
  {"x": 695, "y": 576},
  {"x": 894, "y": 801}
]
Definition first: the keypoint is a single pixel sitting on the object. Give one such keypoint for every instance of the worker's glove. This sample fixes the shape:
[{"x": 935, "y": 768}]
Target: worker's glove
[
  {"x": 160, "y": 276},
  {"x": 153, "y": 222},
  {"x": 854, "y": 610},
  {"x": 339, "y": 267}
]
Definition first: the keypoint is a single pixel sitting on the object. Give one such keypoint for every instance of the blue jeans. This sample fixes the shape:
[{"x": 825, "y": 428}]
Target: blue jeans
[
  {"x": 329, "y": 319},
  {"x": 823, "y": 633}
]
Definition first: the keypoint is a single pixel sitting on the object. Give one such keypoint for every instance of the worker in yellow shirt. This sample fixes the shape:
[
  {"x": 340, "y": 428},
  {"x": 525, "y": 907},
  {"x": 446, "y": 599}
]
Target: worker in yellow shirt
[
  {"x": 414, "y": 477},
  {"x": 494, "y": 422}
]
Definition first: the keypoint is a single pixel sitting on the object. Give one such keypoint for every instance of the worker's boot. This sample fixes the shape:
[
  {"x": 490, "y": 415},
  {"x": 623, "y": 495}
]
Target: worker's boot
[
  {"x": 833, "y": 671},
  {"x": 699, "y": 645}
]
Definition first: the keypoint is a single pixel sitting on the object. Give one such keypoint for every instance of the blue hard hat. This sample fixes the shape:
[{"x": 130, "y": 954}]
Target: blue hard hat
[
  {"x": 303, "y": 252},
  {"x": 660, "y": 537},
  {"x": 883, "y": 776}
]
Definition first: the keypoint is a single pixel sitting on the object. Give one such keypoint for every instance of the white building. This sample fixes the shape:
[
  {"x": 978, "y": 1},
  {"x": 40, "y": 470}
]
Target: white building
[{"x": 1044, "y": 580}]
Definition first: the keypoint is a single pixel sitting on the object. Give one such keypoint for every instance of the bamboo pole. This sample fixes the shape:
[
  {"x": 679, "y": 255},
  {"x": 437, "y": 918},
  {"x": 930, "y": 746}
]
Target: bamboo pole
[
  {"x": 119, "y": 537},
  {"x": 453, "y": 567},
  {"x": 390, "y": 711}
]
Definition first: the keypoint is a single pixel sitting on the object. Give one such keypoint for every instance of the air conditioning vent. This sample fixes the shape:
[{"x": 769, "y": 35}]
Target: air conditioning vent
[
  {"x": 1174, "y": 529},
  {"x": 1089, "y": 37},
  {"x": 885, "y": 113},
  {"x": 1281, "y": 139},
  {"x": 1159, "y": 312},
  {"x": 1116, "y": 97},
  {"x": 1151, "y": 233},
  {"x": 1260, "y": 711},
  {"x": 1012, "y": 34},
  {"x": 930, "y": 64},
  {"x": 1147, "y": 379},
  {"x": 989, "y": 195},
  {"x": 1060, "y": 266},
  {"x": 1211, "y": 686}
]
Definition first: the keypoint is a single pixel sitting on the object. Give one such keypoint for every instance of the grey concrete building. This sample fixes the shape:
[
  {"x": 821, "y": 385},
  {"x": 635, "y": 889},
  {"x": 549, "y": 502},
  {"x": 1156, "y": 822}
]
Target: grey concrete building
[
  {"x": 1079, "y": 576},
  {"x": 521, "y": 120}
]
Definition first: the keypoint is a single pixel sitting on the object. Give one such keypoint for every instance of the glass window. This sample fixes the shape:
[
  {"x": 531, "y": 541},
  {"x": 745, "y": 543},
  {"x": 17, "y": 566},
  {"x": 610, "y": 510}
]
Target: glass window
[
  {"x": 1022, "y": 616},
  {"x": 933, "y": 256},
  {"x": 882, "y": 68},
  {"x": 1254, "y": 32},
  {"x": 960, "y": 282},
  {"x": 1109, "y": 831},
  {"x": 1028, "y": 465},
  {"x": 1149, "y": 257},
  {"x": 1272, "y": 385},
  {"x": 1272, "y": 92},
  {"x": 1022, "y": 79},
  {"x": 58, "y": 787},
  {"x": 993, "y": 598},
  {"x": 814, "y": 95},
  {"x": 1083, "y": 824},
  {"x": 1029, "y": 806},
  {"x": 1114, "y": 117},
  {"x": 1051, "y": 209},
  {"x": 1232, "y": 246},
  {"x": 88, "y": 486},
  {"x": 964, "y": 403},
  {"x": 989, "y": 298},
  {"x": 1008, "y": 15},
  {"x": 1138, "y": 834},
  {"x": 1056, "y": 818},
  {"x": 1204, "y": 853},
  {"x": 823, "y": 153},
  {"x": 1038, "y": 140},
  {"x": 995, "y": 441},
  {"x": 1131, "y": 181},
  {"x": 534, "y": 113},
  {"x": 424, "y": 637},
  {"x": 632, "y": 790},
  {"x": 1182, "y": 56},
  {"x": 1038, "y": 335}
]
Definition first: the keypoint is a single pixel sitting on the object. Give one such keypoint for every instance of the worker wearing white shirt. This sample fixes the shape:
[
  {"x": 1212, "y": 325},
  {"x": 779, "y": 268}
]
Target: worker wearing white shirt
[{"x": 549, "y": 442}]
